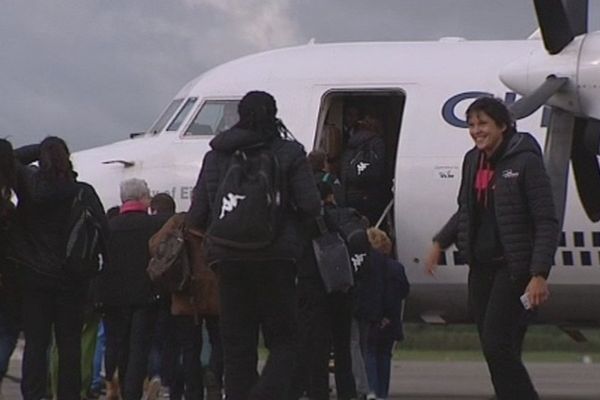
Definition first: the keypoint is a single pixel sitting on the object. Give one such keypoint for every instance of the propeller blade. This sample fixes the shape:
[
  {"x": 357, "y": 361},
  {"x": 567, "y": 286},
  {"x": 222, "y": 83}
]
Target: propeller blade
[
  {"x": 527, "y": 105},
  {"x": 585, "y": 166},
  {"x": 557, "y": 152},
  {"x": 577, "y": 13},
  {"x": 554, "y": 24}
]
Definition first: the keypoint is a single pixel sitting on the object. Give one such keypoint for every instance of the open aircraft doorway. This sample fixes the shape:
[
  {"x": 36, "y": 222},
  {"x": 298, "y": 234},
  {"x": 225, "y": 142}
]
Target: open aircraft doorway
[{"x": 338, "y": 113}]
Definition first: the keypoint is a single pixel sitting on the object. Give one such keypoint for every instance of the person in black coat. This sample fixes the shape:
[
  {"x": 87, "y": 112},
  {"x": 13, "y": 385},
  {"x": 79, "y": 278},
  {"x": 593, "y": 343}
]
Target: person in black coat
[
  {"x": 125, "y": 291},
  {"x": 257, "y": 286},
  {"x": 53, "y": 295},
  {"x": 325, "y": 319},
  {"x": 387, "y": 292},
  {"x": 9, "y": 314},
  {"x": 507, "y": 230},
  {"x": 363, "y": 171}
]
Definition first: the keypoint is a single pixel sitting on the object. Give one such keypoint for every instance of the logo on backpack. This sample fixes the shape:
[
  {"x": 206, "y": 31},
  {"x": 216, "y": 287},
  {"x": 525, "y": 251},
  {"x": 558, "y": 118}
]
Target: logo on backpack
[
  {"x": 250, "y": 193},
  {"x": 358, "y": 260},
  {"x": 229, "y": 203},
  {"x": 361, "y": 167}
]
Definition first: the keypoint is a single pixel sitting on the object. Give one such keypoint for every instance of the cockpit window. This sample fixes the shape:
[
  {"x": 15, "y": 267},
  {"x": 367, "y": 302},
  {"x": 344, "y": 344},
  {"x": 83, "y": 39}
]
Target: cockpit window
[
  {"x": 183, "y": 113},
  {"x": 215, "y": 116},
  {"x": 166, "y": 116}
]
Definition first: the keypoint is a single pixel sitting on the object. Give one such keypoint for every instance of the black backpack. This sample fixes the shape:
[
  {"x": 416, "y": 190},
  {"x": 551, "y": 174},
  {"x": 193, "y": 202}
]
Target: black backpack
[
  {"x": 248, "y": 201},
  {"x": 85, "y": 242},
  {"x": 353, "y": 229}
]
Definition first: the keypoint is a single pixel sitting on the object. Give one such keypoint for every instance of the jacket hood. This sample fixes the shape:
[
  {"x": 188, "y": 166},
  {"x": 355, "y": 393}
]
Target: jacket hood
[
  {"x": 235, "y": 138},
  {"x": 521, "y": 142},
  {"x": 360, "y": 137}
]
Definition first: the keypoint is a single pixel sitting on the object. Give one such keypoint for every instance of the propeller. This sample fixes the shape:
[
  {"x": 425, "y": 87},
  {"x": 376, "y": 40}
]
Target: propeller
[
  {"x": 573, "y": 137},
  {"x": 527, "y": 105}
]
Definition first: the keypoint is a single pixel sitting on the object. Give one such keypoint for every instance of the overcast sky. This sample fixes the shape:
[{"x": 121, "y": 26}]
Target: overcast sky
[{"x": 94, "y": 71}]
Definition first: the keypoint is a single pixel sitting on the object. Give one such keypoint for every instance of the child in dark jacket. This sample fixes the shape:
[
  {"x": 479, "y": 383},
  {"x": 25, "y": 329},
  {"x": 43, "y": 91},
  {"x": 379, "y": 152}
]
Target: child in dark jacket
[{"x": 391, "y": 286}]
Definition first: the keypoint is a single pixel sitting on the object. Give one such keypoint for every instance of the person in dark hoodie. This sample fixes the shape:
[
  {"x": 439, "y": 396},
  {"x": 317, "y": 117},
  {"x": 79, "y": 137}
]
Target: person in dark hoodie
[
  {"x": 363, "y": 169},
  {"x": 387, "y": 290},
  {"x": 126, "y": 293},
  {"x": 9, "y": 315},
  {"x": 257, "y": 286},
  {"x": 53, "y": 294},
  {"x": 325, "y": 319},
  {"x": 507, "y": 230}
]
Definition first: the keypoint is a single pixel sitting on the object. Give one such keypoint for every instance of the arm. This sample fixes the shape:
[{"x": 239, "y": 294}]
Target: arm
[
  {"x": 538, "y": 193},
  {"x": 199, "y": 211},
  {"x": 442, "y": 240},
  {"x": 27, "y": 154}
]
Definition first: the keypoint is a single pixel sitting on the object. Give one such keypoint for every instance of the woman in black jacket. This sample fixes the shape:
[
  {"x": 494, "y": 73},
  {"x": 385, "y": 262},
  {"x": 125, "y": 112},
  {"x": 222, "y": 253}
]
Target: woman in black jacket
[
  {"x": 52, "y": 296},
  {"x": 506, "y": 228},
  {"x": 257, "y": 285}
]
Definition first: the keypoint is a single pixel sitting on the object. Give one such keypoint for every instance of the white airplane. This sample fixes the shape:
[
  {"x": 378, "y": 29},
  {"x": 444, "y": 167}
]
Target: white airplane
[{"x": 420, "y": 90}]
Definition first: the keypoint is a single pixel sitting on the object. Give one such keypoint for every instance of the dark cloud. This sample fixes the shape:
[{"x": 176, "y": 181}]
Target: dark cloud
[{"x": 94, "y": 71}]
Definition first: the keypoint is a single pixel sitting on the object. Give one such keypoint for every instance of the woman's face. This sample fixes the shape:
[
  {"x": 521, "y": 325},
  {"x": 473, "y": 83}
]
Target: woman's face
[{"x": 486, "y": 134}]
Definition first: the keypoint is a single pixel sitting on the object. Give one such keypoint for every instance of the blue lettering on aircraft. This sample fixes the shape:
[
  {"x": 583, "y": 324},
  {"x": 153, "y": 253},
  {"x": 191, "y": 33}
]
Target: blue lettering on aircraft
[{"x": 449, "y": 108}]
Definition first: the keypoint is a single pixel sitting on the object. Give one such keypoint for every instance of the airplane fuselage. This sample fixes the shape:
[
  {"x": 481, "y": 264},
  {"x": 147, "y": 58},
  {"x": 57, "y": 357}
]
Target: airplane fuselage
[{"x": 435, "y": 82}]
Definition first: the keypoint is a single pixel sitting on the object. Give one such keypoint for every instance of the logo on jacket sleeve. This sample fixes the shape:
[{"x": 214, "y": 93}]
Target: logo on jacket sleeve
[
  {"x": 510, "y": 174},
  {"x": 229, "y": 203}
]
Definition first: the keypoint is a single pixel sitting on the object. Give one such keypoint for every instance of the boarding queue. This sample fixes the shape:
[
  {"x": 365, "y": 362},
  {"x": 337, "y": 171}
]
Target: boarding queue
[{"x": 278, "y": 248}]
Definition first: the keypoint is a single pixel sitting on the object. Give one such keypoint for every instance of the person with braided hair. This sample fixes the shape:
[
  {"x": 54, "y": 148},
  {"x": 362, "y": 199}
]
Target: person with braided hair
[{"x": 257, "y": 283}]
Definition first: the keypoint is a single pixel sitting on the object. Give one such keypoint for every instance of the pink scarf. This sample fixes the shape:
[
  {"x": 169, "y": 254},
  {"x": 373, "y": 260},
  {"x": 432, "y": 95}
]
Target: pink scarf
[{"x": 133, "y": 206}]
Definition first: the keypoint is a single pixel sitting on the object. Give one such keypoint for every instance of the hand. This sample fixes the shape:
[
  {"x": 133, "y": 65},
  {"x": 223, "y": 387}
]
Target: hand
[
  {"x": 384, "y": 322},
  {"x": 537, "y": 291},
  {"x": 433, "y": 257}
]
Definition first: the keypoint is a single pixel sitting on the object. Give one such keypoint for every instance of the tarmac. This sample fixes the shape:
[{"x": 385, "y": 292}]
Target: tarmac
[{"x": 448, "y": 380}]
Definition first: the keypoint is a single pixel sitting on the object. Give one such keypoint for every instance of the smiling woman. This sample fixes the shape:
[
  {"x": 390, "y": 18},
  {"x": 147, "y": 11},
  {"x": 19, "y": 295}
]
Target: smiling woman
[
  {"x": 488, "y": 121},
  {"x": 506, "y": 227}
]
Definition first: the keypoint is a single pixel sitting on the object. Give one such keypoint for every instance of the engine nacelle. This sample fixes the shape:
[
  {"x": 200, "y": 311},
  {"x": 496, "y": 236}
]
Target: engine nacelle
[{"x": 579, "y": 61}]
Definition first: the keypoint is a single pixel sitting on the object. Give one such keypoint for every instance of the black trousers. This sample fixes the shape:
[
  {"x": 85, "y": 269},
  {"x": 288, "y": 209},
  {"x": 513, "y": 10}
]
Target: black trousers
[
  {"x": 324, "y": 324},
  {"x": 129, "y": 331},
  {"x": 257, "y": 294},
  {"x": 47, "y": 304},
  {"x": 501, "y": 322},
  {"x": 189, "y": 344}
]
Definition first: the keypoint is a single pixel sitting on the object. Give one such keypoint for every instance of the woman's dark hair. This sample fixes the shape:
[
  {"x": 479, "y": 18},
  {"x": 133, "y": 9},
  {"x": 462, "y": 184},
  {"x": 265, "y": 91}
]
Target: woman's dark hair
[
  {"x": 55, "y": 160},
  {"x": 258, "y": 111},
  {"x": 492, "y": 107},
  {"x": 8, "y": 175}
]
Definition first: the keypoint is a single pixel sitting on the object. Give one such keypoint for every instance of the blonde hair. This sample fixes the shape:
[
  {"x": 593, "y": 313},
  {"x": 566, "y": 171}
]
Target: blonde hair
[{"x": 380, "y": 241}]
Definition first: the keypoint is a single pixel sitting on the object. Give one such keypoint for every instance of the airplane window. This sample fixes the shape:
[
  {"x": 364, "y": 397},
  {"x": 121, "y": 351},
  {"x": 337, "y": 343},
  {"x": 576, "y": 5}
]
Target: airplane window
[
  {"x": 166, "y": 116},
  {"x": 214, "y": 117},
  {"x": 183, "y": 113}
]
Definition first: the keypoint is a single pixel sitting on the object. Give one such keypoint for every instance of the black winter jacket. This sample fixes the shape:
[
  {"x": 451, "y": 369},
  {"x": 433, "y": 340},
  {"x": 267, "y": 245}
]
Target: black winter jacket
[
  {"x": 527, "y": 224},
  {"x": 370, "y": 142},
  {"x": 300, "y": 197},
  {"x": 124, "y": 281},
  {"x": 38, "y": 239}
]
